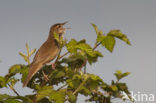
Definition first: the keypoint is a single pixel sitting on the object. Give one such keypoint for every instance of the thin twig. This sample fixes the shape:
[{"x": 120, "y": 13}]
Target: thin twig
[
  {"x": 85, "y": 69},
  {"x": 12, "y": 88},
  {"x": 85, "y": 62},
  {"x": 80, "y": 86},
  {"x": 58, "y": 56},
  {"x": 35, "y": 99},
  {"x": 62, "y": 87},
  {"x": 63, "y": 55},
  {"x": 96, "y": 46}
]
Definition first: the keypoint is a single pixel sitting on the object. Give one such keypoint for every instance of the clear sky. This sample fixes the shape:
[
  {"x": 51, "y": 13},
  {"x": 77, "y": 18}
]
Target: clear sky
[{"x": 29, "y": 21}]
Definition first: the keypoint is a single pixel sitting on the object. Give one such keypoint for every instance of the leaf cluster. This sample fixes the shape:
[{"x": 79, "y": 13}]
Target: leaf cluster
[{"x": 68, "y": 80}]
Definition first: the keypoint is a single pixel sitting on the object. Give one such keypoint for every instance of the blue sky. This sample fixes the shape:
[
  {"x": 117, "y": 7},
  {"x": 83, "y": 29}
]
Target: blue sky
[{"x": 29, "y": 21}]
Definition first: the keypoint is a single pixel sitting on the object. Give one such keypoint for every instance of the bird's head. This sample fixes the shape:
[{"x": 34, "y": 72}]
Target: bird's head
[{"x": 58, "y": 28}]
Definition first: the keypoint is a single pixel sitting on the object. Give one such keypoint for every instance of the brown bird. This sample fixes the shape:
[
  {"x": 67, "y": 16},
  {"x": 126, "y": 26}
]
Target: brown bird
[{"x": 47, "y": 52}]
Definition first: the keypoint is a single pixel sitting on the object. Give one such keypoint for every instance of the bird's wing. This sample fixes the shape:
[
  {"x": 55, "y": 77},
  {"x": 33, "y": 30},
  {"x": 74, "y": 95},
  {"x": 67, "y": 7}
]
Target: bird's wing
[
  {"x": 47, "y": 52},
  {"x": 32, "y": 71}
]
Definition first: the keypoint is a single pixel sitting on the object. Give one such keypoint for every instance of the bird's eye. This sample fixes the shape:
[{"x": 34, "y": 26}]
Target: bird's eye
[{"x": 59, "y": 26}]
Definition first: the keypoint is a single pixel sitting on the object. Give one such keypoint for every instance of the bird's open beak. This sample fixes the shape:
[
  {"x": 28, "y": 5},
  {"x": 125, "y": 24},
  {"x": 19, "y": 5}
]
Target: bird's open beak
[
  {"x": 65, "y": 22},
  {"x": 68, "y": 28}
]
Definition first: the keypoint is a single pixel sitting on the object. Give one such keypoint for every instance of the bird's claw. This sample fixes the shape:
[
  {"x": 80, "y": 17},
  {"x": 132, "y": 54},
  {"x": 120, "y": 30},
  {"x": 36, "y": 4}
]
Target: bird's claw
[{"x": 53, "y": 65}]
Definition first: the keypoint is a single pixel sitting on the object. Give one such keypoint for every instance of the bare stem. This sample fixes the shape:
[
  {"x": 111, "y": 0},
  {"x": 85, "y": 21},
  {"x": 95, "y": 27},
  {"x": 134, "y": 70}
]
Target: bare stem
[
  {"x": 58, "y": 56},
  {"x": 62, "y": 87},
  {"x": 96, "y": 46},
  {"x": 63, "y": 55},
  {"x": 28, "y": 60},
  {"x": 80, "y": 86},
  {"x": 12, "y": 88}
]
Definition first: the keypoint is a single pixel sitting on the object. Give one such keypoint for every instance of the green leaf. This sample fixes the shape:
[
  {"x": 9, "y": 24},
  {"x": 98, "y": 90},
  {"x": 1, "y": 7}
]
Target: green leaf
[
  {"x": 93, "y": 82},
  {"x": 114, "y": 88},
  {"x": 59, "y": 39},
  {"x": 22, "y": 55},
  {"x": 120, "y": 35},
  {"x": 95, "y": 58},
  {"x": 44, "y": 100},
  {"x": 56, "y": 37},
  {"x": 109, "y": 42},
  {"x": 12, "y": 71},
  {"x": 27, "y": 47},
  {"x": 43, "y": 92},
  {"x": 2, "y": 82},
  {"x": 98, "y": 53},
  {"x": 26, "y": 57},
  {"x": 75, "y": 81},
  {"x": 3, "y": 97},
  {"x": 24, "y": 72},
  {"x": 86, "y": 48},
  {"x": 15, "y": 69},
  {"x": 85, "y": 91},
  {"x": 71, "y": 98},
  {"x": 119, "y": 75},
  {"x": 32, "y": 52},
  {"x": 63, "y": 42},
  {"x": 123, "y": 87},
  {"x": 25, "y": 99},
  {"x": 73, "y": 58},
  {"x": 125, "y": 74},
  {"x": 119, "y": 72},
  {"x": 95, "y": 77},
  {"x": 81, "y": 41},
  {"x": 13, "y": 81},
  {"x": 11, "y": 101},
  {"x": 77, "y": 76},
  {"x": 60, "y": 74},
  {"x": 71, "y": 46},
  {"x": 58, "y": 96},
  {"x": 101, "y": 38},
  {"x": 95, "y": 28}
]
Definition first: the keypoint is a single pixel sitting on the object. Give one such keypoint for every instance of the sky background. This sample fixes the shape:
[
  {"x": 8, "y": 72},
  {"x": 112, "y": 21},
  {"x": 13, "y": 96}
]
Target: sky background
[{"x": 29, "y": 21}]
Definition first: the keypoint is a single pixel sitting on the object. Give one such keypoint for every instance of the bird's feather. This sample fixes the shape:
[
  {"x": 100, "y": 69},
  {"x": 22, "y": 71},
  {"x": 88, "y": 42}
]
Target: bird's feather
[{"x": 33, "y": 69}]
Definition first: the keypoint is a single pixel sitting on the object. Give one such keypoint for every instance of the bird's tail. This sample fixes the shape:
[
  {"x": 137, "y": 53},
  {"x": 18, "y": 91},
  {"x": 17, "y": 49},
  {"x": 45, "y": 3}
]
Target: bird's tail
[{"x": 32, "y": 71}]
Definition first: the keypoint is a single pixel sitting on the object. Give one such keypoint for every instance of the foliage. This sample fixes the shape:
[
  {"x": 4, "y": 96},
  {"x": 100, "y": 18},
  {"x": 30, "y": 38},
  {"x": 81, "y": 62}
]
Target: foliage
[
  {"x": 68, "y": 80},
  {"x": 29, "y": 54}
]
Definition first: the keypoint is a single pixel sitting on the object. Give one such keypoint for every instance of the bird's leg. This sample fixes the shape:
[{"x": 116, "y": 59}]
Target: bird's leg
[
  {"x": 53, "y": 65},
  {"x": 45, "y": 76}
]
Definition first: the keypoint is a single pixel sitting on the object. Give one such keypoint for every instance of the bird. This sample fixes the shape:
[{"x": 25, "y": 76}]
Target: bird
[{"x": 47, "y": 52}]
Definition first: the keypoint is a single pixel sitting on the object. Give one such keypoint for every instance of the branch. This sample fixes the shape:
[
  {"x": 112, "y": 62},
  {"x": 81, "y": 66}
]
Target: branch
[
  {"x": 62, "y": 87},
  {"x": 12, "y": 88},
  {"x": 58, "y": 56},
  {"x": 80, "y": 85},
  {"x": 96, "y": 46},
  {"x": 63, "y": 55}
]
